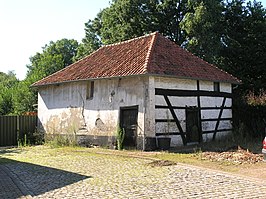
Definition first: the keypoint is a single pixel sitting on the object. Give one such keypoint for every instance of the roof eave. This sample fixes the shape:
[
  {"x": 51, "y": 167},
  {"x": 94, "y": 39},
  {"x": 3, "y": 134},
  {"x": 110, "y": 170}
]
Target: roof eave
[{"x": 141, "y": 75}]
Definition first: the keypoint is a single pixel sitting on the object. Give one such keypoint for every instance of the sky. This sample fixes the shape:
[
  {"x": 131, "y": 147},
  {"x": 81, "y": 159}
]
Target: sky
[{"x": 27, "y": 25}]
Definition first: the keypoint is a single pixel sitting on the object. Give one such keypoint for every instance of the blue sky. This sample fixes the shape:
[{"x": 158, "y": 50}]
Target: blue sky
[{"x": 27, "y": 25}]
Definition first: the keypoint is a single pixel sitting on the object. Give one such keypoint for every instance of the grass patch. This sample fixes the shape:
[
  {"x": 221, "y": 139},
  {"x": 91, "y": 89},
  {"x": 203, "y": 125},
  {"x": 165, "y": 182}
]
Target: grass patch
[{"x": 57, "y": 140}]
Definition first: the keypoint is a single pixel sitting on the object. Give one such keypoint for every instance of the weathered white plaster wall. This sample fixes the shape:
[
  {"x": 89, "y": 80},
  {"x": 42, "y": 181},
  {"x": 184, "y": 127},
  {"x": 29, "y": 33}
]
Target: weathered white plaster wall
[
  {"x": 149, "y": 108},
  {"x": 65, "y": 109}
]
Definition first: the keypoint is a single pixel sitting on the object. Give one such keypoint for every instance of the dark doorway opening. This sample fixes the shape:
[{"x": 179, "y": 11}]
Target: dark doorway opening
[
  {"x": 192, "y": 125},
  {"x": 128, "y": 121}
]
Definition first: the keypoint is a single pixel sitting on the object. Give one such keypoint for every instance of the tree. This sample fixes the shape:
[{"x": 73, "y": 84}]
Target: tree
[
  {"x": 243, "y": 52},
  {"x": 55, "y": 56},
  {"x": 126, "y": 19},
  {"x": 202, "y": 24},
  {"x": 230, "y": 34},
  {"x": 91, "y": 42},
  {"x": 8, "y": 83}
]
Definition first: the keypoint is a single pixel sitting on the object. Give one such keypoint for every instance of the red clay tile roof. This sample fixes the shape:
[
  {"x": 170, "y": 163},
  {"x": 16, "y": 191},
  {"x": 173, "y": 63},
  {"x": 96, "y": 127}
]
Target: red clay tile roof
[{"x": 147, "y": 55}]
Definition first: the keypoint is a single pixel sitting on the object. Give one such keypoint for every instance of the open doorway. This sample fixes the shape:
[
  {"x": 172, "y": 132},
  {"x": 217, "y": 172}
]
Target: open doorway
[
  {"x": 192, "y": 125},
  {"x": 128, "y": 121}
]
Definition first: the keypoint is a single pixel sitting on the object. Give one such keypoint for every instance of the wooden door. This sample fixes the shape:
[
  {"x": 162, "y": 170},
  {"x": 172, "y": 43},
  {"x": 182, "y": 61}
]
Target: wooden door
[
  {"x": 128, "y": 121},
  {"x": 192, "y": 125}
]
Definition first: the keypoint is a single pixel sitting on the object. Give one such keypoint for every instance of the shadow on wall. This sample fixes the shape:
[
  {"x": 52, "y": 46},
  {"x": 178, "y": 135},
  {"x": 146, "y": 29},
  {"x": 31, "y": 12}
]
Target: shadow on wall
[{"x": 32, "y": 179}]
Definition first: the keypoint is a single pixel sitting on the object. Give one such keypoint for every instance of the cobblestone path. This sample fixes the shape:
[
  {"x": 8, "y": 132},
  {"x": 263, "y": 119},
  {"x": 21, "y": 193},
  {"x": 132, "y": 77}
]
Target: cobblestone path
[{"x": 99, "y": 176}]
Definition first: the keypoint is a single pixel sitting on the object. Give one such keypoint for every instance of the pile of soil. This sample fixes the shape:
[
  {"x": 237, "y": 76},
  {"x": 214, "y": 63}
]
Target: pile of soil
[{"x": 235, "y": 156}]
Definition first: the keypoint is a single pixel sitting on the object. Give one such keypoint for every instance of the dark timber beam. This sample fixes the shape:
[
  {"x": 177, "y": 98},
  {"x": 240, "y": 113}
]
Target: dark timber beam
[
  {"x": 219, "y": 130},
  {"x": 216, "y": 119},
  {"x": 219, "y": 119},
  {"x": 176, "y": 119},
  {"x": 199, "y": 112},
  {"x": 164, "y": 120},
  {"x": 191, "y": 93},
  {"x": 170, "y": 133},
  {"x": 187, "y": 107}
]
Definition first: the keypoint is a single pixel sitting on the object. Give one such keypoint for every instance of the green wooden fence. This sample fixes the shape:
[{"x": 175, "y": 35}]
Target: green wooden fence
[{"x": 14, "y": 128}]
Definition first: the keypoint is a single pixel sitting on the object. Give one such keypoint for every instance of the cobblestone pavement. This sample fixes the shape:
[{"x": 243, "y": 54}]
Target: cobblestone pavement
[
  {"x": 109, "y": 176},
  {"x": 10, "y": 187}
]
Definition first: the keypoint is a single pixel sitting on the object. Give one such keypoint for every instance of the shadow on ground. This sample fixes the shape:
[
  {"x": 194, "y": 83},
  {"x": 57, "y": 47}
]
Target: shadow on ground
[{"x": 18, "y": 179}]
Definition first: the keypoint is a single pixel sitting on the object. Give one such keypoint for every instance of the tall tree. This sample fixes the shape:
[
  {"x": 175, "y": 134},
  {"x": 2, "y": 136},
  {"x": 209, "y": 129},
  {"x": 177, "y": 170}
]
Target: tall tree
[
  {"x": 91, "y": 41},
  {"x": 230, "y": 34},
  {"x": 202, "y": 23},
  {"x": 55, "y": 56},
  {"x": 126, "y": 19},
  {"x": 8, "y": 84},
  {"x": 244, "y": 43}
]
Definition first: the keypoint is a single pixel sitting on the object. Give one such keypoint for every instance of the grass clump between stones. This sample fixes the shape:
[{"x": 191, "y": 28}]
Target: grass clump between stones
[{"x": 61, "y": 140}]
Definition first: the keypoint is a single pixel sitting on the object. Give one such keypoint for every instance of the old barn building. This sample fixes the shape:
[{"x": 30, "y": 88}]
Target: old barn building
[{"x": 149, "y": 85}]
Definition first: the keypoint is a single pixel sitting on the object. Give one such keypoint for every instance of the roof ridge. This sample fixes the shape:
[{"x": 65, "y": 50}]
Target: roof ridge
[
  {"x": 148, "y": 57},
  {"x": 130, "y": 40}
]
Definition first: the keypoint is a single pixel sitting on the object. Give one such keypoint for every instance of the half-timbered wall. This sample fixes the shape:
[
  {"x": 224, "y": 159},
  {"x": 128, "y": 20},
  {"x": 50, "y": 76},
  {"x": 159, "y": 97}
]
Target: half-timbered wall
[
  {"x": 163, "y": 105},
  {"x": 174, "y": 96}
]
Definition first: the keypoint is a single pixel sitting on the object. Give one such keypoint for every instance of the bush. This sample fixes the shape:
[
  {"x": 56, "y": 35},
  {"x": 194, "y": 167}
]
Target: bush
[{"x": 250, "y": 113}]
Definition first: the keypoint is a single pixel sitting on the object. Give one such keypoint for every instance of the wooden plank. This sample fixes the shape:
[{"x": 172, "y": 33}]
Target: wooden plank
[
  {"x": 199, "y": 112},
  {"x": 219, "y": 130},
  {"x": 215, "y": 108},
  {"x": 170, "y": 133},
  {"x": 164, "y": 120},
  {"x": 166, "y": 107},
  {"x": 216, "y": 119},
  {"x": 187, "y": 107},
  {"x": 219, "y": 119},
  {"x": 176, "y": 119},
  {"x": 191, "y": 93}
]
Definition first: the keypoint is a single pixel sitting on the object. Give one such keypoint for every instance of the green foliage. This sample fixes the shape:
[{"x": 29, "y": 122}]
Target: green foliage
[
  {"x": 37, "y": 137},
  {"x": 54, "y": 57},
  {"x": 230, "y": 34},
  {"x": 23, "y": 142},
  {"x": 126, "y": 19},
  {"x": 57, "y": 140},
  {"x": 91, "y": 42},
  {"x": 120, "y": 136},
  {"x": 244, "y": 45},
  {"x": 8, "y": 83},
  {"x": 202, "y": 23}
]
